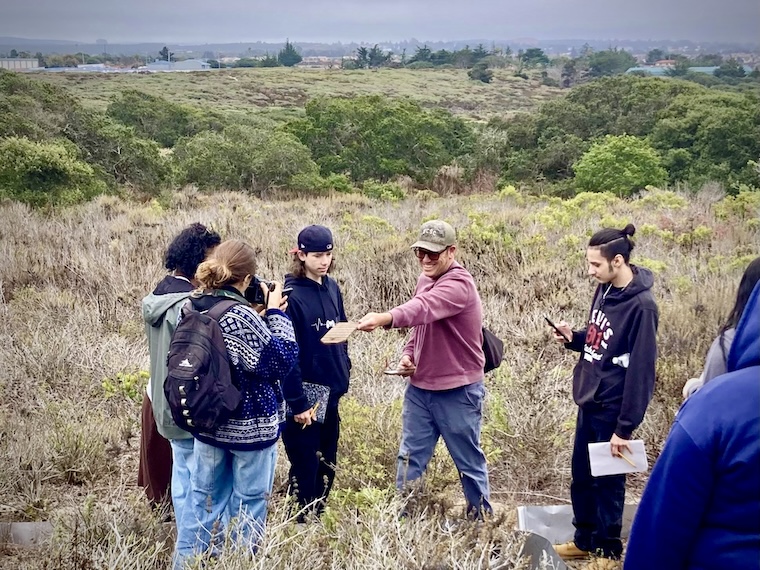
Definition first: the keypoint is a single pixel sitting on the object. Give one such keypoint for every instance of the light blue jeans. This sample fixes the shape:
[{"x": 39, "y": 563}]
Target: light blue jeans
[
  {"x": 182, "y": 464},
  {"x": 238, "y": 482},
  {"x": 456, "y": 415}
]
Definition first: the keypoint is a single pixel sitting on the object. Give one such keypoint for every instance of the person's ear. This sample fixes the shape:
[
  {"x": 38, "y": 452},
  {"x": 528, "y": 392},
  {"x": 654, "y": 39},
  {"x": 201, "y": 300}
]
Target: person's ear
[
  {"x": 618, "y": 261},
  {"x": 452, "y": 249},
  {"x": 301, "y": 255}
]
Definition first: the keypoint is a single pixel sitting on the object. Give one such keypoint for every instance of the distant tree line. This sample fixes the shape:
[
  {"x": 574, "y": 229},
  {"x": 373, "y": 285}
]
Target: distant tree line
[
  {"x": 288, "y": 56},
  {"x": 479, "y": 61},
  {"x": 614, "y": 133}
]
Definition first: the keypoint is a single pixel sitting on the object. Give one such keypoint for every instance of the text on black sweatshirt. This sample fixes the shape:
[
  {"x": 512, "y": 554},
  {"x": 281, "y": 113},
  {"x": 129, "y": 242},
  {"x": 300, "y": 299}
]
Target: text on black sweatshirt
[
  {"x": 622, "y": 325},
  {"x": 314, "y": 308}
]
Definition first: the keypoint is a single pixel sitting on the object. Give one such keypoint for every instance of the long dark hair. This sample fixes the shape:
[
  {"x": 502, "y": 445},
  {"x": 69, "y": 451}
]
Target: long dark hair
[
  {"x": 612, "y": 242},
  {"x": 298, "y": 267},
  {"x": 746, "y": 285}
]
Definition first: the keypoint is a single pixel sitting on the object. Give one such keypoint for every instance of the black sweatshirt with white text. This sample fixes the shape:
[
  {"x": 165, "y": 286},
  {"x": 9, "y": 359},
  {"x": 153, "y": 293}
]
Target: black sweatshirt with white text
[
  {"x": 622, "y": 325},
  {"x": 314, "y": 308}
]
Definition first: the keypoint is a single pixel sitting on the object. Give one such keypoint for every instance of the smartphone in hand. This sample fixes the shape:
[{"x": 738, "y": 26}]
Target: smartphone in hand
[{"x": 559, "y": 332}]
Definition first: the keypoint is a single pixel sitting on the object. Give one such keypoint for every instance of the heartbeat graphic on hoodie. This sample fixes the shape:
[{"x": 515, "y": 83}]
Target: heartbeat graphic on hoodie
[{"x": 318, "y": 324}]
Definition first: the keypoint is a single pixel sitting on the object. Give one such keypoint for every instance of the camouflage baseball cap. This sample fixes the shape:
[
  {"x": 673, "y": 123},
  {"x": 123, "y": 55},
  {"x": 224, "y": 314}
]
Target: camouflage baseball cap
[{"x": 435, "y": 236}]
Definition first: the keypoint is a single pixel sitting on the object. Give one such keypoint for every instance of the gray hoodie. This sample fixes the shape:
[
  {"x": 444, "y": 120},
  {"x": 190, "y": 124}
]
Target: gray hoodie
[{"x": 160, "y": 310}]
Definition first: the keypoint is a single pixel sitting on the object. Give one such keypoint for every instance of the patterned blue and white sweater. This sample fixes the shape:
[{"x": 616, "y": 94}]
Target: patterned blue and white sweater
[{"x": 261, "y": 352}]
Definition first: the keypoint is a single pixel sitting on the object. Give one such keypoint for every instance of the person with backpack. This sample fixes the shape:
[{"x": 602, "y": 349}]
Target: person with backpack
[
  {"x": 444, "y": 361},
  {"x": 235, "y": 460},
  {"x": 165, "y": 449},
  {"x": 320, "y": 378},
  {"x": 613, "y": 383}
]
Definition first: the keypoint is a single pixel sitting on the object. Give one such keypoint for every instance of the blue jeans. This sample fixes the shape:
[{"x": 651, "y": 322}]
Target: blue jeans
[
  {"x": 597, "y": 501},
  {"x": 182, "y": 462},
  {"x": 457, "y": 416},
  {"x": 238, "y": 482}
]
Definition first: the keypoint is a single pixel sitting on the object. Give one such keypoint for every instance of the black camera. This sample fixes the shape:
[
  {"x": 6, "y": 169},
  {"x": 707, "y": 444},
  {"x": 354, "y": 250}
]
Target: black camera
[{"x": 256, "y": 296}]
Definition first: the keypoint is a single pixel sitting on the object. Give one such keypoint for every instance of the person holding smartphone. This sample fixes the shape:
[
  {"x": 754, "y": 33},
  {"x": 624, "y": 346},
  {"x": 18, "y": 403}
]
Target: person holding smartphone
[
  {"x": 613, "y": 383},
  {"x": 320, "y": 378}
]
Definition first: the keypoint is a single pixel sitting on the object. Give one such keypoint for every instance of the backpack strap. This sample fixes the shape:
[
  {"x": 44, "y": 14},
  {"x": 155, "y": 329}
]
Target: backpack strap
[{"x": 217, "y": 311}]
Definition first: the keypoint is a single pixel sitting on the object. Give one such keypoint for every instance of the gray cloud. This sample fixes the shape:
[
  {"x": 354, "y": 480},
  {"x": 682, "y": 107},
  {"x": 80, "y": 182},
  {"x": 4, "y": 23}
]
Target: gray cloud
[{"x": 374, "y": 20}]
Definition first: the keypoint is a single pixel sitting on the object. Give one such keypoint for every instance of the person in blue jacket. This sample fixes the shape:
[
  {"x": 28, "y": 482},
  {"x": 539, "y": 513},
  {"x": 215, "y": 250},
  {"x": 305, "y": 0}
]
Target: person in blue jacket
[
  {"x": 701, "y": 507},
  {"x": 310, "y": 435}
]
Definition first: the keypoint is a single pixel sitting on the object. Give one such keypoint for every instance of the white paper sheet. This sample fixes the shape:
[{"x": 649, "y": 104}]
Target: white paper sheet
[{"x": 603, "y": 463}]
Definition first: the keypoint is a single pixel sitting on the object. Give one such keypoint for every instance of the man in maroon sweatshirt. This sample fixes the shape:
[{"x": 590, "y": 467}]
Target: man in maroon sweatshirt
[{"x": 444, "y": 362}]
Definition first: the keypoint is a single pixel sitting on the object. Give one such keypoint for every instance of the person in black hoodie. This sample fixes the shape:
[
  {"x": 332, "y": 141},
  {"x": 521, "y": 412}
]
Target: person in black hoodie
[
  {"x": 613, "y": 383},
  {"x": 320, "y": 378}
]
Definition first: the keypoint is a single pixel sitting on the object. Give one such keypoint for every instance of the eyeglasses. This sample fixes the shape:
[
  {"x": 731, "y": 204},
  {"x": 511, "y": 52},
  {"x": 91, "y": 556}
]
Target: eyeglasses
[{"x": 421, "y": 253}]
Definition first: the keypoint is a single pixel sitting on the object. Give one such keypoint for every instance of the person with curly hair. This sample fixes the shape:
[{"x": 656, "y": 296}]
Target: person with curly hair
[{"x": 164, "y": 448}]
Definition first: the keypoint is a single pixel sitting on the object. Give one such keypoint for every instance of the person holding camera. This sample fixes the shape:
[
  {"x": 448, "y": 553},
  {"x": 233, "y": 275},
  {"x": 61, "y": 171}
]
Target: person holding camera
[
  {"x": 234, "y": 464},
  {"x": 444, "y": 360},
  {"x": 316, "y": 384}
]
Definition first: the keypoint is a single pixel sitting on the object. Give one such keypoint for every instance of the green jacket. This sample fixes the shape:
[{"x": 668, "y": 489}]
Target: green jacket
[{"x": 160, "y": 313}]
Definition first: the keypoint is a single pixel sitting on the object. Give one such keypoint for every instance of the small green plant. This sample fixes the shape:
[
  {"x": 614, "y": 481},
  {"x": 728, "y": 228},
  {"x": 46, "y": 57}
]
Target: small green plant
[
  {"x": 130, "y": 385},
  {"x": 656, "y": 199},
  {"x": 654, "y": 265},
  {"x": 745, "y": 204},
  {"x": 387, "y": 191},
  {"x": 701, "y": 235}
]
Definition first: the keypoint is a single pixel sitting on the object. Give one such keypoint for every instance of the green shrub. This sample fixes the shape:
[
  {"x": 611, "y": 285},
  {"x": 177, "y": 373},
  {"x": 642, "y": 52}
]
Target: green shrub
[
  {"x": 242, "y": 159},
  {"x": 620, "y": 164},
  {"x": 745, "y": 204},
  {"x": 381, "y": 138},
  {"x": 32, "y": 109},
  {"x": 710, "y": 136},
  {"x": 389, "y": 191},
  {"x": 480, "y": 72},
  {"x": 154, "y": 117},
  {"x": 117, "y": 151},
  {"x": 42, "y": 174}
]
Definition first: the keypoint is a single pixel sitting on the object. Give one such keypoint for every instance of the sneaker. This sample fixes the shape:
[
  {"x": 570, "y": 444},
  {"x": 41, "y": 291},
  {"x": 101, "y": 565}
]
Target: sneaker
[
  {"x": 603, "y": 564},
  {"x": 569, "y": 551}
]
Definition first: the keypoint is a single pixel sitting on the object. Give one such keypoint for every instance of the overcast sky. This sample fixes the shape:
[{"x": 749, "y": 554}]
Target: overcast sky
[{"x": 378, "y": 20}]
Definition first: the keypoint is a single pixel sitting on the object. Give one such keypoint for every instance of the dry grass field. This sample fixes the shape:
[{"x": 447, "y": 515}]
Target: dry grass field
[
  {"x": 283, "y": 91},
  {"x": 73, "y": 360}
]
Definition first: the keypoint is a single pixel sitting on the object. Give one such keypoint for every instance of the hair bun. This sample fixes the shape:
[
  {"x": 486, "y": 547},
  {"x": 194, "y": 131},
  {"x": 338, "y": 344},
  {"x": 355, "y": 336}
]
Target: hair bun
[{"x": 629, "y": 230}]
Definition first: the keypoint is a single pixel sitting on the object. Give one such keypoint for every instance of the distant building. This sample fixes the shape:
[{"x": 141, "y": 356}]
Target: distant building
[
  {"x": 319, "y": 62},
  {"x": 184, "y": 65},
  {"x": 92, "y": 67},
  {"x": 19, "y": 63},
  {"x": 665, "y": 63},
  {"x": 660, "y": 71}
]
